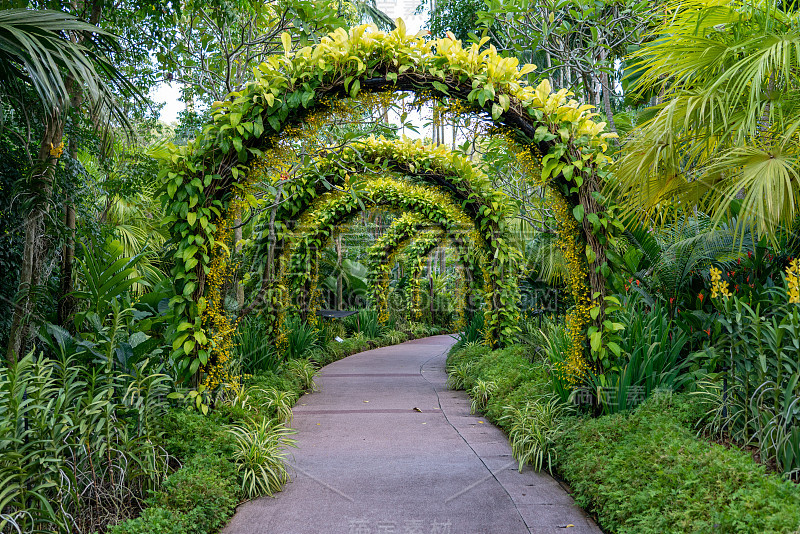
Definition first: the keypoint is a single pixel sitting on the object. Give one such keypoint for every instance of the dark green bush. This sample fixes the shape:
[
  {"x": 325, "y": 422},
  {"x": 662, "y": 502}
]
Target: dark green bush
[
  {"x": 203, "y": 490},
  {"x": 188, "y": 433},
  {"x": 154, "y": 520},
  {"x": 516, "y": 379},
  {"x": 647, "y": 472}
]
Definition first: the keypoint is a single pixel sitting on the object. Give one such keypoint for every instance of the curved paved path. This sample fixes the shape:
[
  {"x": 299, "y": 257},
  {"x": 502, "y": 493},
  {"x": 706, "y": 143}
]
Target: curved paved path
[{"x": 385, "y": 448}]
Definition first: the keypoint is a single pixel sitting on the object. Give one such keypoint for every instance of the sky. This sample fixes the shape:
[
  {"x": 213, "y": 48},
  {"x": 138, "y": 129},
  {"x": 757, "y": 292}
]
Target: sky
[{"x": 169, "y": 94}]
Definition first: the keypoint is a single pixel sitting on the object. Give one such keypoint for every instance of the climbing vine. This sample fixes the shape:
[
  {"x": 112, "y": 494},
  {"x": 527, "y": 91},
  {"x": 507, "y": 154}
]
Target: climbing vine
[
  {"x": 202, "y": 178},
  {"x": 381, "y": 255},
  {"x": 316, "y": 228}
]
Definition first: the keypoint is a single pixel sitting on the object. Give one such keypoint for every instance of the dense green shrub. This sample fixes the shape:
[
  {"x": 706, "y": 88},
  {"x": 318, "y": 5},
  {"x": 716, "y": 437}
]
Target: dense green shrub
[
  {"x": 203, "y": 490},
  {"x": 646, "y": 471},
  {"x": 640, "y": 471},
  {"x": 154, "y": 520},
  {"x": 196, "y": 499}
]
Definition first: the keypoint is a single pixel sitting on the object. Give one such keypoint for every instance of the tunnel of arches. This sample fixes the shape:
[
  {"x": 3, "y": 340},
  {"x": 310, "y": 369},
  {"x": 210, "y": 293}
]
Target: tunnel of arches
[
  {"x": 208, "y": 180},
  {"x": 333, "y": 209}
]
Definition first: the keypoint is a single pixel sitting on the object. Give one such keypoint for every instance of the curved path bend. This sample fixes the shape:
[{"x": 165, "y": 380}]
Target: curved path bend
[{"x": 386, "y": 448}]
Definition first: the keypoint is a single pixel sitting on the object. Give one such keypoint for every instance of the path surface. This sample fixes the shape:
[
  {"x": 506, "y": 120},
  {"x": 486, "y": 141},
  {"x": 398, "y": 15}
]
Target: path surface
[{"x": 369, "y": 463}]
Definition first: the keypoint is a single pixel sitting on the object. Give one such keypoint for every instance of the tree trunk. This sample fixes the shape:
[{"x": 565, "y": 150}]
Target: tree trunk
[
  {"x": 237, "y": 238},
  {"x": 37, "y": 243},
  {"x": 606, "y": 88},
  {"x": 66, "y": 304},
  {"x": 430, "y": 283},
  {"x": 339, "y": 280},
  {"x": 607, "y": 105}
]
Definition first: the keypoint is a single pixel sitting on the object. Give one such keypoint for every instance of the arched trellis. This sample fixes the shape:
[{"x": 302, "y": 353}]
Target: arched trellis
[
  {"x": 334, "y": 208},
  {"x": 417, "y": 252},
  {"x": 396, "y": 239},
  {"x": 487, "y": 210},
  {"x": 202, "y": 179}
]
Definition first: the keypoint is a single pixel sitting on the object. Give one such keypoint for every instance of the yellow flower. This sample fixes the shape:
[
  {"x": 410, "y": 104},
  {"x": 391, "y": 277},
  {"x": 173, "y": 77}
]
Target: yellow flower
[
  {"x": 56, "y": 151},
  {"x": 793, "y": 282}
]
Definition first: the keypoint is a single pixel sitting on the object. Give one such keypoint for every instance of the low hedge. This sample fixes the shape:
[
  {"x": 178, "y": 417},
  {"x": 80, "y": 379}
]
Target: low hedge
[{"x": 644, "y": 471}]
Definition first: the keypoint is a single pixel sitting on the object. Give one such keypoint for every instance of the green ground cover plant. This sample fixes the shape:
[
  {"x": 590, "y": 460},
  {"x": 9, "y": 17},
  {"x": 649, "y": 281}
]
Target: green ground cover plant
[
  {"x": 641, "y": 470},
  {"x": 647, "y": 471}
]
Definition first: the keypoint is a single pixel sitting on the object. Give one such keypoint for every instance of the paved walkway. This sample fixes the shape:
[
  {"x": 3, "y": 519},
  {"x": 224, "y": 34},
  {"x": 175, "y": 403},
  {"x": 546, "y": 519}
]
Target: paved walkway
[{"x": 385, "y": 448}]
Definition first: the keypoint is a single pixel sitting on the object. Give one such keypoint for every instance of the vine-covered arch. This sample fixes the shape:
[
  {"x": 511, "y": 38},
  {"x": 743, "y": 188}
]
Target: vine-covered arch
[
  {"x": 417, "y": 251},
  {"x": 202, "y": 179},
  {"x": 396, "y": 238},
  {"x": 486, "y": 209},
  {"x": 334, "y": 208}
]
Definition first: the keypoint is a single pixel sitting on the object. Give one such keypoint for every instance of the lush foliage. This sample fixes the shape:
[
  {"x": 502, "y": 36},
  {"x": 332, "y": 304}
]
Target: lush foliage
[
  {"x": 626, "y": 467},
  {"x": 79, "y": 445},
  {"x": 726, "y": 121},
  {"x": 196, "y": 196},
  {"x": 647, "y": 471}
]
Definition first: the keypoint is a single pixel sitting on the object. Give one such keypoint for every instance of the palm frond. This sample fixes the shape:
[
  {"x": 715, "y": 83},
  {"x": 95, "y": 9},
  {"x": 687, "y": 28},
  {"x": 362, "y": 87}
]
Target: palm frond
[{"x": 44, "y": 48}]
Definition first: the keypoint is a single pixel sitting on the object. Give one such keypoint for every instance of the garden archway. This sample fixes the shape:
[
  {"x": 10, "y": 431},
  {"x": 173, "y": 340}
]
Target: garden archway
[
  {"x": 333, "y": 208},
  {"x": 398, "y": 238},
  {"x": 203, "y": 179}
]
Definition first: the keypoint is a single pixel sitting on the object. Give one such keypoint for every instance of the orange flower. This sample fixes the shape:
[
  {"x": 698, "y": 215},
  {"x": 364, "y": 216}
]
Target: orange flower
[{"x": 701, "y": 297}]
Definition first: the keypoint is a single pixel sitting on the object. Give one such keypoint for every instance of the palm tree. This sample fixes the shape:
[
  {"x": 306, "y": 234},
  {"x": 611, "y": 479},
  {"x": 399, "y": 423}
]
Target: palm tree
[
  {"x": 53, "y": 51},
  {"x": 726, "y": 125},
  {"x": 57, "y": 55}
]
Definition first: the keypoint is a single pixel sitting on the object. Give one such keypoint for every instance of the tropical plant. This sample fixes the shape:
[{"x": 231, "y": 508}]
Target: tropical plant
[
  {"x": 54, "y": 53},
  {"x": 533, "y": 430},
  {"x": 662, "y": 263},
  {"x": 279, "y": 403},
  {"x": 106, "y": 273},
  {"x": 365, "y": 322},
  {"x": 755, "y": 396},
  {"x": 127, "y": 201},
  {"x": 354, "y": 279},
  {"x": 36, "y": 47},
  {"x": 557, "y": 344},
  {"x": 302, "y": 338},
  {"x": 304, "y": 370},
  {"x": 459, "y": 376},
  {"x": 78, "y": 444},
  {"x": 651, "y": 358},
  {"x": 727, "y": 119},
  {"x": 253, "y": 348},
  {"x": 473, "y": 332},
  {"x": 393, "y": 337},
  {"x": 480, "y": 393},
  {"x": 261, "y": 456}
]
